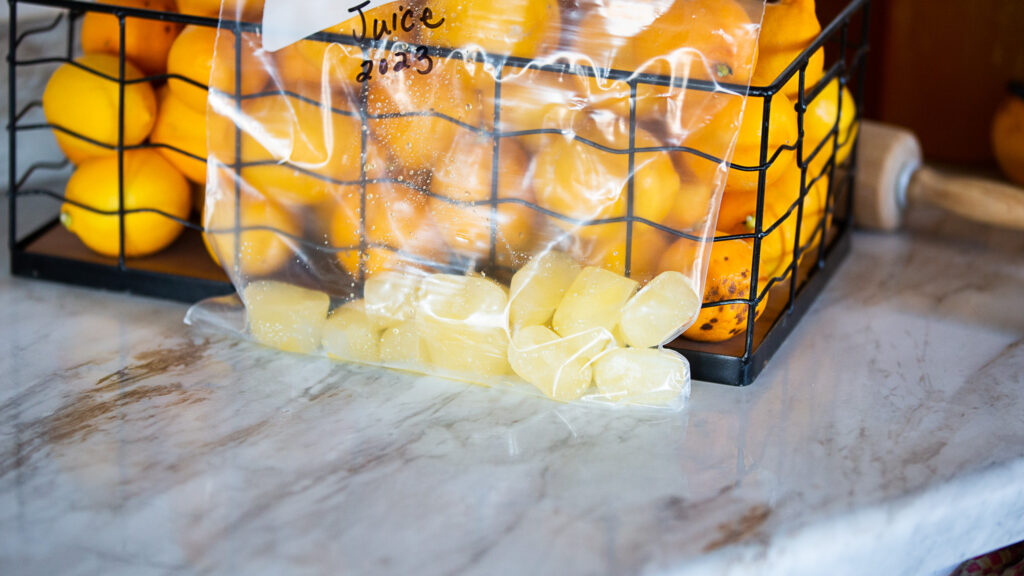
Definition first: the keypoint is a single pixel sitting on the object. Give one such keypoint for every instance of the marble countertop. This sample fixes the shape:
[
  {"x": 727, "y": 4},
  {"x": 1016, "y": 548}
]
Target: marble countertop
[{"x": 885, "y": 437}]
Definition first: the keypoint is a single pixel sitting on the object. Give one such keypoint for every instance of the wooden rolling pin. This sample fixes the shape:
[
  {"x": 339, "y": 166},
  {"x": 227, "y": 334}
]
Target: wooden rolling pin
[{"x": 891, "y": 175}]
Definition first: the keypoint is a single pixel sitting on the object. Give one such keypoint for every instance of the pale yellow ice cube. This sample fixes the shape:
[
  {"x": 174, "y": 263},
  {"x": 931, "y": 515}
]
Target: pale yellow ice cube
[
  {"x": 401, "y": 344},
  {"x": 350, "y": 335},
  {"x": 285, "y": 316},
  {"x": 558, "y": 367},
  {"x": 461, "y": 320},
  {"x": 538, "y": 288},
  {"x": 659, "y": 310},
  {"x": 391, "y": 296},
  {"x": 594, "y": 300},
  {"x": 642, "y": 376}
]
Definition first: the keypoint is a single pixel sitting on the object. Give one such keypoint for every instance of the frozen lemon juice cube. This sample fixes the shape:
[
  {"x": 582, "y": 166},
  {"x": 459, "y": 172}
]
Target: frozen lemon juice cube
[
  {"x": 390, "y": 297},
  {"x": 461, "y": 319},
  {"x": 558, "y": 367},
  {"x": 659, "y": 310},
  {"x": 538, "y": 288},
  {"x": 350, "y": 335},
  {"x": 401, "y": 344},
  {"x": 642, "y": 376},
  {"x": 284, "y": 316},
  {"x": 594, "y": 300}
]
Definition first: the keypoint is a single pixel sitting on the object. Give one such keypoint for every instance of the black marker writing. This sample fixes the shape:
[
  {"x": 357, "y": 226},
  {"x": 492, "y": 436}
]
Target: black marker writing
[{"x": 400, "y": 19}]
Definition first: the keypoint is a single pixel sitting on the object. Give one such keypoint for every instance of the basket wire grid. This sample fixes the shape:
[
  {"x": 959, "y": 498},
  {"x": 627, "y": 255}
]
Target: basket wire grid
[{"x": 736, "y": 362}]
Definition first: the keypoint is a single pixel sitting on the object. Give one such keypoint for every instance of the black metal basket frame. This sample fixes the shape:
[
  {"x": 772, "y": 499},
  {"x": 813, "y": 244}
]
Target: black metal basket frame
[{"x": 706, "y": 365}]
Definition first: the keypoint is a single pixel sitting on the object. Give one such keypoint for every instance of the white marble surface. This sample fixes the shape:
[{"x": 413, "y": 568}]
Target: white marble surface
[{"x": 886, "y": 437}]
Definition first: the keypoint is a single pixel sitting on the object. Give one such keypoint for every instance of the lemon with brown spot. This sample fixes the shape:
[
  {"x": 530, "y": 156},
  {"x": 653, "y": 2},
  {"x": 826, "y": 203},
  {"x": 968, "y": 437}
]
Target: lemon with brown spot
[{"x": 728, "y": 278}]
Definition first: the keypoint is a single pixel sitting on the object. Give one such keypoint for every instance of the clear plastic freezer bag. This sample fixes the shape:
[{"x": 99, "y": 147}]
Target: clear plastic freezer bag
[{"x": 519, "y": 194}]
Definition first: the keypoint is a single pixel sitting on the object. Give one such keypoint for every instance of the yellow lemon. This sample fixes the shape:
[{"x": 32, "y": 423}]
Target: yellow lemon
[
  {"x": 242, "y": 9},
  {"x": 150, "y": 182},
  {"x": 715, "y": 137},
  {"x": 147, "y": 42},
  {"x": 182, "y": 127},
  {"x": 298, "y": 146},
  {"x": 451, "y": 89},
  {"x": 580, "y": 181},
  {"x": 819, "y": 120},
  {"x": 515, "y": 27},
  {"x": 788, "y": 27},
  {"x": 464, "y": 175},
  {"x": 609, "y": 250},
  {"x": 265, "y": 247},
  {"x": 397, "y": 218},
  {"x": 192, "y": 56},
  {"x": 86, "y": 103}
]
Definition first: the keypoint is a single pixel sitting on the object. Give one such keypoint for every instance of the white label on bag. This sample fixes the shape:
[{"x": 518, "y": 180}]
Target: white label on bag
[{"x": 284, "y": 23}]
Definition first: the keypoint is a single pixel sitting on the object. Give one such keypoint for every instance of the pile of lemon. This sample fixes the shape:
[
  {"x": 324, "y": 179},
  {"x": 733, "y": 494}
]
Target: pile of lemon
[
  {"x": 164, "y": 125},
  {"x": 428, "y": 151},
  {"x": 432, "y": 160}
]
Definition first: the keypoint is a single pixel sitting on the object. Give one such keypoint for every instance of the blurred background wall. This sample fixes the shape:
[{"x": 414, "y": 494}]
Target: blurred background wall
[{"x": 940, "y": 67}]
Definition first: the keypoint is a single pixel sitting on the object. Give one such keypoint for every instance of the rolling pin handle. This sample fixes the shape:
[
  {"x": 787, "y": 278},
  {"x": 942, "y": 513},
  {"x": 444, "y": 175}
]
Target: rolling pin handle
[
  {"x": 987, "y": 201},
  {"x": 891, "y": 175}
]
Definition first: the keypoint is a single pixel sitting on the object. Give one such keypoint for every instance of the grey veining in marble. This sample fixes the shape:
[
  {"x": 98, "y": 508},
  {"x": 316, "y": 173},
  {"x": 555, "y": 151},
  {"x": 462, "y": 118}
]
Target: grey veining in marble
[{"x": 886, "y": 437}]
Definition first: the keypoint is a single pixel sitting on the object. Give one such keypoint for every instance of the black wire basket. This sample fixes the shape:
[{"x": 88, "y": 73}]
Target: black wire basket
[{"x": 185, "y": 272}]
